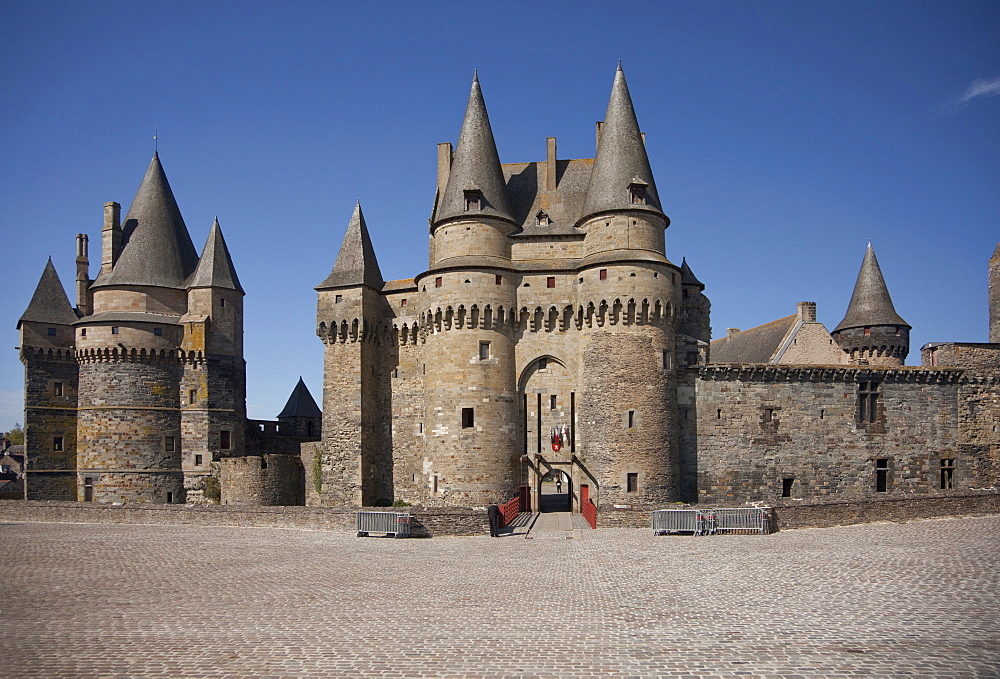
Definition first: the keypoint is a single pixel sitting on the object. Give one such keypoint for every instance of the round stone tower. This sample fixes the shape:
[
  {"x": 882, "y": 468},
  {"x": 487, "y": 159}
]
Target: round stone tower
[
  {"x": 995, "y": 296},
  {"x": 872, "y": 333}
]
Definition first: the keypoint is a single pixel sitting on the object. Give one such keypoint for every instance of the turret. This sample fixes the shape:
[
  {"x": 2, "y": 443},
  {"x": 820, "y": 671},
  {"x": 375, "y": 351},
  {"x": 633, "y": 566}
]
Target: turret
[
  {"x": 872, "y": 332},
  {"x": 472, "y": 216},
  {"x": 695, "y": 307},
  {"x": 995, "y": 296},
  {"x": 301, "y": 416}
]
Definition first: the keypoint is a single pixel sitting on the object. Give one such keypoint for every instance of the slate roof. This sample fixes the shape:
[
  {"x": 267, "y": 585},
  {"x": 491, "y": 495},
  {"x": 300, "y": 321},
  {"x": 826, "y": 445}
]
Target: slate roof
[
  {"x": 870, "y": 302},
  {"x": 996, "y": 253},
  {"x": 156, "y": 247},
  {"x": 300, "y": 403},
  {"x": 215, "y": 268},
  {"x": 356, "y": 263},
  {"x": 756, "y": 345},
  {"x": 621, "y": 158},
  {"x": 49, "y": 304},
  {"x": 476, "y": 165},
  {"x": 564, "y": 205},
  {"x": 688, "y": 277}
]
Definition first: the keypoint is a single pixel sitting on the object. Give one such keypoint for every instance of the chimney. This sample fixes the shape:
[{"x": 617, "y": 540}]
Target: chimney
[
  {"x": 111, "y": 236},
  {"x": 806, "y": 312},
  {"x": 444, "y": 165},
  {"x": 550, "y": 164},
  {"x": 730, "y": 332},
  {"x": 83, "y": 273}
]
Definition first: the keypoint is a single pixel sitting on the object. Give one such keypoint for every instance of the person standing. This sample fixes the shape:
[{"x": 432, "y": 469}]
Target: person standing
[
  {"x": 559, "y": 483},
  {"x": 494, "y": 514}
]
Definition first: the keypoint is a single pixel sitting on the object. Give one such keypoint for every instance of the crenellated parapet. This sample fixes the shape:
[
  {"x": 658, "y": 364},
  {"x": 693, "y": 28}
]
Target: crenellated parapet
[
  {"x": 134, "y": 355},
  {"x": 761, "y": 372}
]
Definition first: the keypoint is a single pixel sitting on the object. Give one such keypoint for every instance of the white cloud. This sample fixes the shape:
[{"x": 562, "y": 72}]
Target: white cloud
[{"x": 978, "y": 89}]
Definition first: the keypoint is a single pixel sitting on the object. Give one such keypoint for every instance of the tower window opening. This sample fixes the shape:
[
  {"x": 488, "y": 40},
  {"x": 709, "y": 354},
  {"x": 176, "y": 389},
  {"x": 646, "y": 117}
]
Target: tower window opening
[
  {"x": 168, "y": 444},
  {"x": 263, "y": 462},
  {"x": 158, "y": 332},
  {"x": 637, "y": 194},
  {"x": 868, "y": 401},
  {"x": 718, "y": 413},
  {"x": 402, "y": 302},
  {"x": 552, "y": 402},
  {"x": 882, "y": 475},
  {"x": 57, "y": 389},
  {"x": 192, "y": 396},
  {"x": 947, "y": 473},
  {"x": 630, "y": 419},
  {"x": 632, "y": 482},
  {"x": 473, "y": 201},
  {"x": 542, "y": 219},
  {"x": 822, "y": 413},
  {"x": 603, "y": 274},
  {"x": 868, "y": 330},
  {"x": 550, "y": 282},
  {"x": 114, "y": 330},
  {"x": 170, "y": 498},
  {"x": 222, "y": 302},
  {"x": 897, "y": 331},
  {"x": 484, "y": 351},
  {"x": 198, "y": 460},
  {"x": 543, "y": 363},
  {"x": 83, "y": 332},
  {"x": 468, "y": 418},
  {"x": 225, "y": 441},
  {"x": 338, "y": 299},
  {"x": 499, "y": 279},
  {"x": 57, "y": 444},
  {"x": 52, "y": 332},
  {"x": 438, "y": 282},
  {"x": 786, "y": 487},
  {"x": 768, "y": 415}
]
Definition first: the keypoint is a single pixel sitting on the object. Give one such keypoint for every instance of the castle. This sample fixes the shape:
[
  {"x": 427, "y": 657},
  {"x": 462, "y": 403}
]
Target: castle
[{"x": 550, "y": 335}]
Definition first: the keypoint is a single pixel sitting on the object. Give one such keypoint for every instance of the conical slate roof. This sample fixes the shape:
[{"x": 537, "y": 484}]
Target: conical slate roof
[
  {"x": 215, "y": 268},
  {"x": 688, "y": 277},
  {"x": 621, "y": 158},
  {"x": 996, "y": 253},
  {"x": 49, "y": 304},
  {"x": 476, "y": 165},
  {"x": 356, "y": 263},
  {"x": 870, "y": 303},
  {"x": 156, "y": 247},
  {"x": 300, "y": 403}
]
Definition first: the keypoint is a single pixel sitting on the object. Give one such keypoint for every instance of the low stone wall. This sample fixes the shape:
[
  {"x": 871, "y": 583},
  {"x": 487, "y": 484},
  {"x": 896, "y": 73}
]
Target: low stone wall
[
  {"x": 425, "y": 522},
  {"x": 823, "y": 514}
]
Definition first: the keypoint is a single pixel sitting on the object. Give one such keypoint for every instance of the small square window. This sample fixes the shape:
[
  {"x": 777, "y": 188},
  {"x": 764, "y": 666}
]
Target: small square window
[
  {"x": 438, "y": 282},
  {"x": 468, "y": 418},
  {"x": 543, "y": 363},
  {"x": 57, "y": 444},
  {"x": 637, "y": 194},
  {"x": 402, "y": 302},
  {"x": 158, "y": 332},
  {"x": 550, "y": 282},
  {"x": 224, "y": 439},
  {"x": 114, "y": 330},
  {"x": 868, "y": 330},
  {"x": 52, "y": 332},
  {"x": 338, "y": 299},
  {"x": 197, "y": 460},
  {"x": 168, "y": 443},
  {"x": 603, "y": 274},
  {"x": 473, "y": 200},
  {"x": 57, "y": 389}
]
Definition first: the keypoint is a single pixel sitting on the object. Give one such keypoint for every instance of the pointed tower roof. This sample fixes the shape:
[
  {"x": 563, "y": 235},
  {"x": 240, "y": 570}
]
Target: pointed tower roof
[
  {"x": 870, "y": 303},
  {"x": 688, "y": 277},
  {"x": 156, "y": 247},
  {"x": 996, "y": 253},
  {"x": 476, "y": 166},
  {"x": 215, "y": 268},
  {"x": 621, "y": 158},
  {"x": 356, "y": 263},
  {"x": 49, "y": 304},
  {"x": 300, "y": 403}
]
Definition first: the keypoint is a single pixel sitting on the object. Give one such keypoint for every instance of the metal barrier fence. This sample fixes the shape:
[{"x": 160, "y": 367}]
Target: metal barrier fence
[
  {"x": 509, "y": 510},
  {"x": 746, "y": 521},
  {"x": 388, "y": 523}
]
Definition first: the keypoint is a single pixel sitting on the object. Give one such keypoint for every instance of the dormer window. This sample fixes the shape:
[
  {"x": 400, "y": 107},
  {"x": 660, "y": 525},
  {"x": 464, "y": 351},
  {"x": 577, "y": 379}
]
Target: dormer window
[
  {"x": 542, "y": 219},
  {"x": 473, "y": 200},
  {"x": 637, "y": 193}
]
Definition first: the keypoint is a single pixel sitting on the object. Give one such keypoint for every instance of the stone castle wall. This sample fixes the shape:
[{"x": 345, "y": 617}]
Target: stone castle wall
[
  {"x": 51, "y": 422},
  {"x": 262, "y": 480}
]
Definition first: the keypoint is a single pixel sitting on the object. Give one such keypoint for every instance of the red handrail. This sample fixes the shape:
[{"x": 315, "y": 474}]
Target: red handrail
[
  {"x": 509, "y": 510},
  {"x": 589, "y": 511}
]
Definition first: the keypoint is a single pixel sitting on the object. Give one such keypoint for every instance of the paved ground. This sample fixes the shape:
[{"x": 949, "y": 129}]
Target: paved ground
[{"x": 883, "y": 600}]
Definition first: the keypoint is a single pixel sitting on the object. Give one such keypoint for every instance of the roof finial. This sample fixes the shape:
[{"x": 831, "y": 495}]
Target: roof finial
[
  {"x": 156, "y": 138},
  {"x": 619, "y": 64}
]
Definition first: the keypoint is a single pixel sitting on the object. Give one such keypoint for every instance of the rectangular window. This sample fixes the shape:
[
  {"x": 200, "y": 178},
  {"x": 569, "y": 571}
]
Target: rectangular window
[
  {"x": 88, "y": 489},
  {"x": 402, "y": 302},
  {"x": 552, "y": 402},
  {"x": 767, "y": 415},
  {"x": 881, "y": 475},
  {"x": 338, "y": 299},
  {"x": 83, "y": 332},
  {"x": 868, "y": 399},
  {"x": 484, "y": 351},
  {"x": 168, "y": 443},
  {"x": 192, "y": 396},
  {"x": 868, "y": 330},
  {"x": 631, "y": 419},
  {"x": 222, "y": 302},
  {"x": 158, "y": 332},
  {"x": 57, "y": 389},
  {"x": 947, "y": 473},
  {"x": 224, "y": 439},
  {"x": 170, "y": 498},
  {"x": 632, "y": 482},
  {"x": 57, "y": 444},
  {"x": 603, "y": 274},
  {"x": 197, "y": 460},
  {"x": 114, "y": 330},
  {"x": 468, "y": 418},
  {"x": 550, "y": 282},
  {"x": 52, "y": 332},
  {"x": 473, "y": 201},
  {"x": 499, "y": 279},
  {"x": 438, "y": 282},
  {"x": 786, "y": 487}
]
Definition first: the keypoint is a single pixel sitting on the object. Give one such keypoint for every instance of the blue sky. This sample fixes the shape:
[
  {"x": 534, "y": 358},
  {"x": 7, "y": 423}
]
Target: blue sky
[{"x": 782, "y": 135}]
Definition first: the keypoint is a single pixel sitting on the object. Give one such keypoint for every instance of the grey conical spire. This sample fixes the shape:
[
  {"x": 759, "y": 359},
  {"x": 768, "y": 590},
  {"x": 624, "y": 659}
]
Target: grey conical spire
[
  {"x": 870, "y": 304},
  {"x": 476, "y": 166},
  {"x": 301, "y": 403},
  {"x": 996, "y": 253},
  {"x": 688, "y": 277},
  {"x": 156, "y": 247},
  {"x": 356, "y": 263},
  {"x": 215, "y": 268},
  {"x": 49, "y": 304},
  {"x": 621, "y": 158}
]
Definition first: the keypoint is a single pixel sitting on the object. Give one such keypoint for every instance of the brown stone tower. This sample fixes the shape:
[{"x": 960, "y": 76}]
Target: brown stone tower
[
  {"x": 872, "y": 332},
  {"x": 995, "y": 296}
]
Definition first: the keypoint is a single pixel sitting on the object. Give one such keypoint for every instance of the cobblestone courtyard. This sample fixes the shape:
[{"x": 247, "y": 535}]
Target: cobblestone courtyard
[{"x": 883, "y": 600}]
